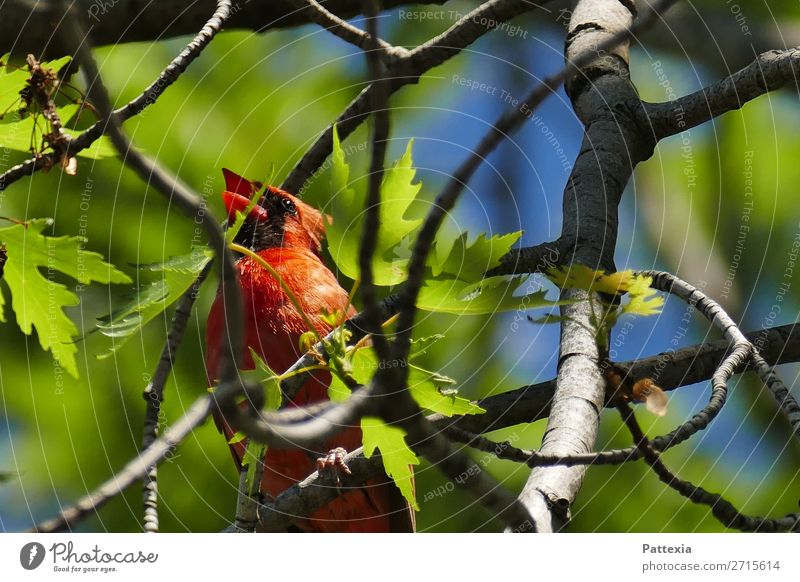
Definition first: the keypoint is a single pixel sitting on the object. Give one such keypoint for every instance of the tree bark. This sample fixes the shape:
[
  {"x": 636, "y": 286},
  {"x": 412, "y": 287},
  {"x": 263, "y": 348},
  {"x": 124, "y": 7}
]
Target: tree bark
[
  {"x": 23, "y": 30},
  {"x": 606, "y": 101}
]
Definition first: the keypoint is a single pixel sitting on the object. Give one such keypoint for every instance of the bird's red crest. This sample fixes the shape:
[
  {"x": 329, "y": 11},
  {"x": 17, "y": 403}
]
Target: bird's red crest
[
  {"x": 307, "y": 229},
  {"x": 238, "y": 193}
]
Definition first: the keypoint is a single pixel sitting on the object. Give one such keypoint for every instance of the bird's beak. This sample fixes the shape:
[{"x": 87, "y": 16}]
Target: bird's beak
[{"x": 237, "y": 203}]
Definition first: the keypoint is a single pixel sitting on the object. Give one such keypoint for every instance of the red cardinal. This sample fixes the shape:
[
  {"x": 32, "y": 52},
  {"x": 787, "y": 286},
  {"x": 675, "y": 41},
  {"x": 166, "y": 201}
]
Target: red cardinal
[{"x": 287, "y": 234}]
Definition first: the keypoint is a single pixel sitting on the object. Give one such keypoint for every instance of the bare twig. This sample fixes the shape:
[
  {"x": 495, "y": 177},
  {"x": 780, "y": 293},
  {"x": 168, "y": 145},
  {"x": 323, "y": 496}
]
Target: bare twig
[
  {"x": 687, "y": 366},
  {"x": 396, "y": 404},
  {"x": 779, "y": 390},
  {"x": 347, "y": 32},
  {"x": 408, "y": 70},
  {"x": 372, "y": 222},
  {"x": 167, "y": 77},
  {"x": 154, "y": 395},
  {"x": 273, "y": 429},
  {"x": 769, "y": 72},
  {"x": 132, "y": 472},
  {"x": 177, "y": 193},
  {"x": 721, "y": 508},
  {"x": 743, "y": 352},
  {"x": 190, "y": 203},
  {"x": 670, "y": 370},
  {"x": 121, "y": 21}
]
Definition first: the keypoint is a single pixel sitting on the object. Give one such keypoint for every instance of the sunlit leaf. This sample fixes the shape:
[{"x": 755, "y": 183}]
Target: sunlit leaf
[
  {"x": 398, "y": 192},
  {"x": 469, "y": 262},
  {"x": 490, "y": 295},
  {"x": 397, "y": 457},
  {"x": 269, "y": 380},
  {"x": 37, "y": 300},
  {"x": 574, "y": 276},
  {"x": 615, "y": 282}
]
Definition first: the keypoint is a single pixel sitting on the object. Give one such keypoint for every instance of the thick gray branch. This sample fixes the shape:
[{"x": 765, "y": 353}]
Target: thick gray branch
[{"x": 606, "y": 101}]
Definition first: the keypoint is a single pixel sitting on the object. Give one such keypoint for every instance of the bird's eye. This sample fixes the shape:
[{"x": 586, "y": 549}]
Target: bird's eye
[{"x": 288, "y": 206}]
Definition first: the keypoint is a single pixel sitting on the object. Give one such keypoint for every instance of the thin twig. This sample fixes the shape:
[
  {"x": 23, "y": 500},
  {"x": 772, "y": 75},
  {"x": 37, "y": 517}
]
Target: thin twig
[
  {"x": 177, "y": 193},
  {"x": 154, "y": 395},
  {"x": 349, "y": 33},
  {"x": 372, "y": 222},
  {"x": 721, "y": 508},
  {"x": 132, "y": 472},
  {"x": 167, "y": 77},
  {"x": 75, "y": 36},
  {"x": 773, "y": 348},
  {"x": 779, "y": 390},
  {"x": 406, "y": 71},
  {"x": 272, "y": 429}
]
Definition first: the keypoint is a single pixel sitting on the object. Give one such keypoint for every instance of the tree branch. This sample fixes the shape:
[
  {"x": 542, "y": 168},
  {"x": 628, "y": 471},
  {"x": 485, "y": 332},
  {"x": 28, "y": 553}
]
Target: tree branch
[
  {"x": 372, "y": 218},
  {"x": 605, "y": 100},
  {"x": 770, "y": 71},
  {"x": 721, "y": 508},
  {"x": 167, "y": 77},
  {"x": 132, "y": 472},
  {"x": 405, "y": 71},
  {"x": 689, "y": 365},
  {"x": 743, "y": 352},
  {"x": 670, "y": 370},
  {"x": 25, "y": 31},
  {"x": 347, "y": 32},
  {"x": 154, "y": 395}
]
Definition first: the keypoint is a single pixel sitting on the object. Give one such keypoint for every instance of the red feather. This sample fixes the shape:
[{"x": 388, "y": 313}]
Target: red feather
[{"x": 273, "y": 328}]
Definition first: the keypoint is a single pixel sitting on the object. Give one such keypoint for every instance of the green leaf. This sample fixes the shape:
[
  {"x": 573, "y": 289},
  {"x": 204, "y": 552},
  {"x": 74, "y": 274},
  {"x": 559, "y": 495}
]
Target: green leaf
[
  {"x": 254, "y": 452},
  {"x": 398, "y": 192},
  {"x": 257, "y": 451},
  {"x": 39, "y": 302},
  {"x": 425, "y": 387},
  {"x": 362, "y": 365},
  {"x": 420, "y": 346},
  {"x": 12, "y": 81},
  {"x": 16, "y": 134},
  {"x": 469, "y": 262},
  {"x": 397, "y": 457},
  {"x": 490, "y": 295},
  {"x": 177, "y": 275},
  {"x": 271, "y": 382},
  {"x": 237, "y": 438}
]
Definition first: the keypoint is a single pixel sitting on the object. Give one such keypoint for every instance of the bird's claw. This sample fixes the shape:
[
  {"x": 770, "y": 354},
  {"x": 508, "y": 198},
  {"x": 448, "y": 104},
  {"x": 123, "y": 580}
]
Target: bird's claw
[{"x": 334, "y": 461}]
